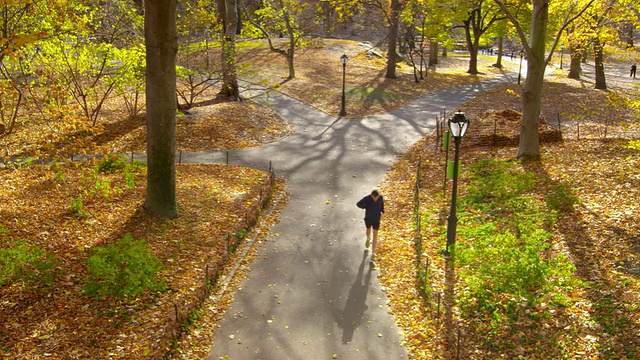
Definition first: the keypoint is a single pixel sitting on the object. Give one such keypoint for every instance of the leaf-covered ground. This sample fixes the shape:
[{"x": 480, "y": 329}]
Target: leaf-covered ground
[
  {"x": 38, "y": 208},
  {"x": 600, "y": 317},
  {"x": 599, "y": 234}
]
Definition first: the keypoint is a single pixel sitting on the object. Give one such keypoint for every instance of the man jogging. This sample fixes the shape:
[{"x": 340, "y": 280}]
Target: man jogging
[{"x": 373, "y": 205}]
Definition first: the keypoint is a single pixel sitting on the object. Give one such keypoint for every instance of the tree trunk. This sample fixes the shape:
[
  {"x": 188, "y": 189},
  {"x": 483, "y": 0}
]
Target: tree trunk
[
  {"x": 575, "y": 67},
  {"x": 498, "y": 63},
  {"x": 292, "y": 69},
  {"x": 472, "y": 46},
  {"x": 529, "y": 146},
  {"x": 392, "y": 56},
  {"x": 433, "y": 52},
  {"x": 292, "y": 41},
  {"x": 161, "y": 48},
  {"x": 601, "y": 83},
  {"x": 227, "y": 11},
  {"x": 327, "y": 18}
]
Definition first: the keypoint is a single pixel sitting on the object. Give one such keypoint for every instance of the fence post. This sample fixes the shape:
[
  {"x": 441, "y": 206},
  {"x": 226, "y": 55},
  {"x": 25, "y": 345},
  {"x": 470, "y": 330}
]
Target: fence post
[
  {"x": 272, "y": 171},
  {"x": 227, "y": 157},
  {"x": 578, "y": 130},
  {"x": 206, "y": 281},
  {"x": 437, "y": 132},
  {"x": 559, "y": 134},
  {"x": 416, "y": 213},
  {"x": 180, "y": 158},
  {"x": 458, "y": 347},
  {"x": 495, "y": 131}
]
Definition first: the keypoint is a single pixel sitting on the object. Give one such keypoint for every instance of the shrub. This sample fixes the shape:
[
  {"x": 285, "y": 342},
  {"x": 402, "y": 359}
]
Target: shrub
[
  {"x": 111, "y": 164},
  {"x": 130, "y": 179},
  {"x": 102, "y": 185},
  {"x": 121, "y": 270},
  {"x": 77, "y": 207},
  {"x": 29, "y": 264}
]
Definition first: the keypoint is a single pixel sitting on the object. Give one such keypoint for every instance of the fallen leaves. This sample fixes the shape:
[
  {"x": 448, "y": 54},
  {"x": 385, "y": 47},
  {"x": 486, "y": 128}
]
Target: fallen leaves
[
  {"x": 36, "y": 208},
  {"x": 599, "y": 234}
]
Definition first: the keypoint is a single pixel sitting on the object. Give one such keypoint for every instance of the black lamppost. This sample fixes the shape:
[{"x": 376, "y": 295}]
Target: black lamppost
[
  {"x": 520, "y": 69},
  {"x": 344, "y": 58},
  {"x": 561, "y": 55},
  {"x": 458, "y": 125}
]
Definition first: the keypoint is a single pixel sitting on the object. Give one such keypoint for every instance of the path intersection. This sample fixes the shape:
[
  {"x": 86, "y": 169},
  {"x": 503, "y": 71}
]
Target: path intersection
[{"x": 312, "y": 293}]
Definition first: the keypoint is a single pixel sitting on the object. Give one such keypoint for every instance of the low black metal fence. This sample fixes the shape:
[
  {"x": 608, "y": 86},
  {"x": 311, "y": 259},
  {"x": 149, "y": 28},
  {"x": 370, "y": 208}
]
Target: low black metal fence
[
  {"x": 177, "y": 321},
  {"x": 490, "y": 129}
]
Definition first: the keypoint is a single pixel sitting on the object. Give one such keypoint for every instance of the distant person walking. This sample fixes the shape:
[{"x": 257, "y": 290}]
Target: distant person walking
[
  {"x": 373, "y": 205},
  {"x": 633, "y": 71}
]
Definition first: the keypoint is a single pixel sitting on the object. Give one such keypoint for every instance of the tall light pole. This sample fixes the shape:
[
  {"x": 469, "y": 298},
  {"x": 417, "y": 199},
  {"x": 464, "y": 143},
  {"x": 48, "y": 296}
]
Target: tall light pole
[
  {"x": 520, "y": 69},
  {"x": 344, "y": 58},
  {"x": 458, "y": 125}
]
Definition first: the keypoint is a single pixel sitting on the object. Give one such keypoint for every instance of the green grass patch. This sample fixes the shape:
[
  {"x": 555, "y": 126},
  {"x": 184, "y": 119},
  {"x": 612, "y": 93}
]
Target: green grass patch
[
  {"x": 506, "y": 231},
  {"x": 367, "y": 94}
]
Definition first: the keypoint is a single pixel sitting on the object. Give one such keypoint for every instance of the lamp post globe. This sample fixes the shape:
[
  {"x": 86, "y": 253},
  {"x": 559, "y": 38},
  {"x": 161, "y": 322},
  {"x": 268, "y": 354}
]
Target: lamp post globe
[
  {"x": 343, "y": 59},
  {"x": 458, "y": 125}
]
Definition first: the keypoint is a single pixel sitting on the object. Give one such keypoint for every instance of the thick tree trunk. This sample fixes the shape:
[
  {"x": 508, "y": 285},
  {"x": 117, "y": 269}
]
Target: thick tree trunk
[
  {"x": 473, "y": 60},
  {"x": 292, "y": 41},
  {"x": 230, "y": 91},
  {"x": 161, "y": 48},
  {"x": 529, "y": 146},
  {"x": 392, "y": 56},
  {"x": 574, "y": 67},
  {"x": 433, "y": 52},
  {"x": 472, "y": 47},
  {"x": 601, "y": 82},
  {"x": 290, "y": 63},
  {"x": 227, "y": 12}
]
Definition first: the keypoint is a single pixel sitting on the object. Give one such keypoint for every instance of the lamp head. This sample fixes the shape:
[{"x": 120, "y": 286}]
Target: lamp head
[
  {"x": 344, "y": 58},
  {"x": 458, "y": 124}
]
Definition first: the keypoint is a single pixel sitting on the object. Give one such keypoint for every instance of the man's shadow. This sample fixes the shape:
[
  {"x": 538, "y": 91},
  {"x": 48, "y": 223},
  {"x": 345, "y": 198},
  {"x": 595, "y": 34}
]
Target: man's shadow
[{"x": 351, "y": 317}]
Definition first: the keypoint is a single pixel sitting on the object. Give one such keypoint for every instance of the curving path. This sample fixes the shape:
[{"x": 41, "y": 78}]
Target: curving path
[{"x": 311, "y": 292}]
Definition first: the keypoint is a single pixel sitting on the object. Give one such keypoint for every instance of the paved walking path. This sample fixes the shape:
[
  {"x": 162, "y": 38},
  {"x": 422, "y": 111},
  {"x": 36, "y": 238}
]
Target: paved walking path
[{"x": 311, "y": 292}]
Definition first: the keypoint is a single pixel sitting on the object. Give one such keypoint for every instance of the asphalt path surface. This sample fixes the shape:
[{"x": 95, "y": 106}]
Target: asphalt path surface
[{"x": 312, "y": 291}]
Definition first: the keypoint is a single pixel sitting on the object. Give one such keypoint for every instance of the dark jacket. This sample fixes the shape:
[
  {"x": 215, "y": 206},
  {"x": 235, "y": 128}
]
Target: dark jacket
[{"x": 373, "y": 209}]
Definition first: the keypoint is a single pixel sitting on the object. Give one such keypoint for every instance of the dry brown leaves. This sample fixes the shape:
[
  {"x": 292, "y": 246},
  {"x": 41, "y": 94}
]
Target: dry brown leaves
[
  {"x": 36, "y": 202},
  {"x": 601, "y": 235},
  {"x": 318, "y": 79},
  {"x": 64, "y": 323},
  {"x": 235, "y": 125}
]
